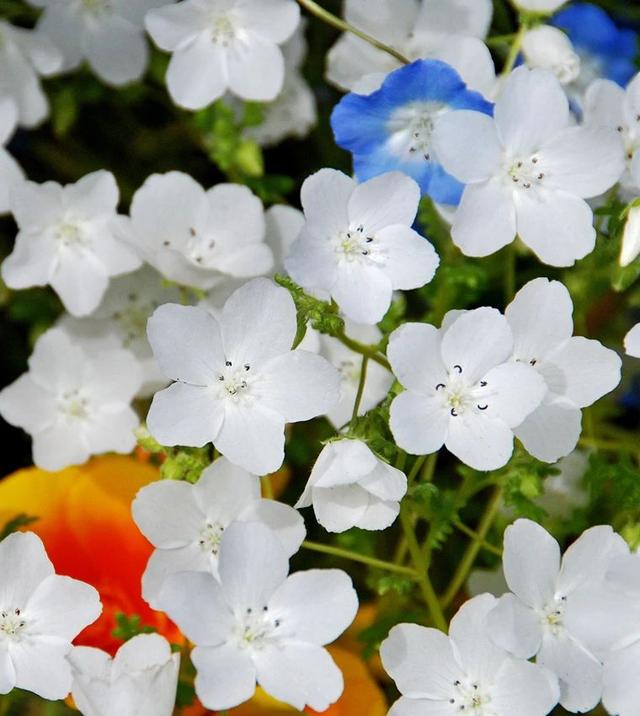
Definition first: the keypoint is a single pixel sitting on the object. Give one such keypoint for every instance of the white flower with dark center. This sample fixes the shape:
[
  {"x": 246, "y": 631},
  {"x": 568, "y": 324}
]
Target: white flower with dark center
[
  {"x": 463, "y": 673},
  {"x": 528, "y": 171},
  {"x": 141, "y": 680},
  {"x": 220, "y": 45},
  {"x": 108, "y": 34},
  {"x": 258, "y": 625},
  {"x": 349, "y": 364},
  {"x": 534, "y": 619},
  {"x": 40, "y": 615},
  {"x": 68, "y": 239},
  {"x": 185, "y": 522},
  {"x": 358, "y": 244},
  {"x": 72, "y": 402},
  {"x": 238, "y": 381},
  {"x": 24, "y": 55},
  {"x": 10, "y": 172},
  {"x": 196, "y": 237},
  {"x": 350, "y": 487},
  {"x": 460, "y": 391},
  {"x": 577, "y": 371},
  {"x": 548, "y": 48}
]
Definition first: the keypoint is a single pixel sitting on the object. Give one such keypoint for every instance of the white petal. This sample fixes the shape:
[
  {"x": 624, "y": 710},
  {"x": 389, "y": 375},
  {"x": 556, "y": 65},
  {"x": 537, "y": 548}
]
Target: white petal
[
  {"x": 406, "y": 344},
  {"x": 56, "y": 362},
  {"x": 285, "y": 522},
  {"x": 421, "y": 661},
  {"x": 485, "y": 220},
  {"x": 312, "y": 262},
  {"x": 25, "y": 564},
  {"x": 80, "y": 280},
  {"x": 174, "y": 26},
  {"x": 167, "y": 514},
  {"x": 343, "y": 462},
  {"x": 632, "y": 342},
  {"x": 256, "y": 69},
  {"x": 468, "y": 17},
  {"x": 252, "y": 565},
  {"x": 31, "y": 262},
  {"x": 258, "y": 322},
  {"x": 477, "y": 341},
  {"x": 621, "y": 692},
  {"x": 467, "y": 145},
  {"x": 26, "y": 405},
  {"x": 339, "y": 508},
  {"x": 552, "y": 431},
  {"x": 316, "y": 605},
  {"x": 117, "y": 51},
  {"x": 362, "y": 291},
  {"x": 631, "y": 234},
  {"x": 186, "y": 342},
  {"x": 299, "y": 674},
  {"x": 226, "y": 676},
  {"x": 274, "y": 20},
  {"x": 410, "y": 260},
  {"x": 7, "y": 672},
  {"x": 325, "y": 199},
  {"x": 224, "y": 490},
  {"x": 420, "y": 707},
  {"x": 524, "y": 689},
  {"x": 603, "y": 104},
  {"x": 587, "y": 558},
  {"x": 515, "y": 627},
  {"x": 197, "y": 74},
  {"x": 65, "y": 29},
  {"x": 531, "y": 109},
  {"x": 112, "y": 430},
  {"x": 379, "y": 515},
  {"x": 385, "y": 482},
  {"x": 513, "y": 392},
  {"x": 283, "y": 226},
  {"x": 582, "y": 370},
  {"x": 10, "y": 176},
  {"x": 41, "y": 667},
  {"x": 299, "y": 385},
  {"x": 531, "y": 562},
  {"x": 165, "y": 562},
  {"x": 196, "y": 603},
  {"x": 185, "y": 415},
  {"x": 556, "y": 226},
  {"x": 419, "y": 425},
  {"x": 383, "y": 201}
]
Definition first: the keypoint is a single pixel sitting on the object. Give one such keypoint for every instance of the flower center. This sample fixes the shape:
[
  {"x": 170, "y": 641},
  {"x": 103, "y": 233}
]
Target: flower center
[
  {"x": 526, "y": 172},
  {"x": 255, "y": 628},
  {"x": 349, "y": 372},
  {"x": 210, "y": 537},
  {"x": 458, "y": 396},
  {"x": 355, "y": 245},
  {"x": 70, "y": 234},
  {"x": 132, "y": 320},
  {"x": 552, "y": 615},
  {"x": 222, "y": 30},
  {"x": 74, "y": 405},
  {"x": 12, "y": 624},
  {"x": 471, "y": 698},
  {"x": 411, "y": 128},
  {"x": 199, "y": 249},
  {"x": 234, "y": 380}
]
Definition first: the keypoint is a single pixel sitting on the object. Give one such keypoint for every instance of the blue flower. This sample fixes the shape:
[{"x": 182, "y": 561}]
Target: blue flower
[
  {"x": 390, "y": 129},
  {"x": 607, "y": 50}
]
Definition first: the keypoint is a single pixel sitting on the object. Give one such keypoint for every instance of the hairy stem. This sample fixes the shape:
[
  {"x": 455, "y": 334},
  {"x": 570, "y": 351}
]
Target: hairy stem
[
  {"x": 364, "y": 350},
  {"x": 357, "y": 557},
  {"x": 360, "y": 392}
]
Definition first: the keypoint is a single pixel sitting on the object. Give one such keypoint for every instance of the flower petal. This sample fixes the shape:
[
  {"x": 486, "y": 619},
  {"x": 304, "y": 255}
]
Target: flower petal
[
  {"x": 405, "y": 344},
  {"x": 226, "y": 676},
  {"x": 383, "y": 201},
  {"x": 419, "y": 425}
]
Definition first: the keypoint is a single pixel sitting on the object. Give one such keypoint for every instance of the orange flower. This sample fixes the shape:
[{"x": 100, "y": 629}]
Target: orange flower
[{"x": 84, "y": 520}]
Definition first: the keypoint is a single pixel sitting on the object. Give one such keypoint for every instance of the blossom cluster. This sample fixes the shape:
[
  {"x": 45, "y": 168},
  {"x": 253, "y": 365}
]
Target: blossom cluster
[{"x": 203, "y": 324}]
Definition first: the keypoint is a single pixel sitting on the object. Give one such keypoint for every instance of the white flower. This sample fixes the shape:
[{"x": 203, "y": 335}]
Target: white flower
[
  {"x": 577, "y": 371},
  {"x": 548, "y": 48},
  {"x": 258, "y": 625},
  {"x": 141, "y": 680},
  {"x": 185, "y": 522},
  {"x": 197, "y": 237},
  {"x": 221, "y": 45},
  {"x": 632, "y": 341},
  {"x": 74, "y": 404},
  {"x": 25, "y": 54},
  {"x": 463, "y": 672},
  {"x": 238, "y": 381},
  {"x": 459, "y": 390},
  {"x": 68, "y": 239},
  {"x": 358, "y": 243},
  {"x": 446, "y": 30},
  {"x": 108, "y": 34},
  {"x": 350, "y": 487},
  {"x": 283, "y": 226},
  {"x": 10, "y": 172},
  {"x": 121, "y": 321},
  {"x": 631, "y": 234},
  {"x": 40, "y": 614},
  {"x": 349, "y": 364},
  {"x": 533, "y": 621},
  {"x": 527, "y": 171}
]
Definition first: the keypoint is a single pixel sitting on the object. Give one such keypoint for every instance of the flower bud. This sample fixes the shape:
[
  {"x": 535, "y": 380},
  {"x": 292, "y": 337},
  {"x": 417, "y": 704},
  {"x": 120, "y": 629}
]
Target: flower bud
[{"x": 550, "y": 49}]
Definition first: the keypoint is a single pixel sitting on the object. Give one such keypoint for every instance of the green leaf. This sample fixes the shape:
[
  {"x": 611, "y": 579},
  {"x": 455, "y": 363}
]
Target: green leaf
[
  {"x": 15, "y": 523},
  {"x": 129, "y": 626}
]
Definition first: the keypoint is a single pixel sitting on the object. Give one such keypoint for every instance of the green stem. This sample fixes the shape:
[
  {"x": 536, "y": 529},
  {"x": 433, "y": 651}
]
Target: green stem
[
  {"x": 474, "y": 535},
  {"x": 510, "y": 274},
  {"x": 361, "y": 382},
  {"x": 357, "y": 557},
  {"x": 469, "y": 557},
  {"x": 415, "y": 469},
  {"x": 498, "y": 40},
  {"x": 514, "y": 50},
  {"x": 343, "y": 26},
  {"x": 422, "y": 575},
  {"x": 364, "y": 350}
]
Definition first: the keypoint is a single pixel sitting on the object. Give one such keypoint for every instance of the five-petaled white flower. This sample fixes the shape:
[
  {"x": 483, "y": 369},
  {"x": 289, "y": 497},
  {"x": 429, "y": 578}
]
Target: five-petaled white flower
[
  {"x": 578, "y": 371},
  {"x": 73, "y": 403},
  {"x": 535, "y": 619},
  {"x": 108, "y": 34},
  {"x": 141, "y": 680},
  {"x": 40, "y": 614},
  {"x": 463, "y": 673},
  {"x": 460, "y": 392},
  {"x": 528, "y": 171},
  {"x": 69, "y": 239},
  {"x": 185, "y": 522},
  {"x": 220, "y": 45},
  {"x": 259, "y": 625},
  {"x": 358, "y": 243},
  {"x": 197, "y": 237},
  {"x": 350, "y": 487},
  {"x": 238, "y": 381},
  {"x": 25, "y": 54},
  {"x": 10, "y": 172}
]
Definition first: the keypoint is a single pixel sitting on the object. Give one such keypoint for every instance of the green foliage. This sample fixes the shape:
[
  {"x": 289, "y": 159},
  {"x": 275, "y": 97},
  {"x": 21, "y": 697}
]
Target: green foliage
[
  {"x": 439, "y": 507},
  {"x": 129, "y": 626},
  {"x": 614, "y": 482},
  {"x": 404, "y": 586},
  {"x": 16, "y": 523},
  {"x": 523, "y": 482},
  {"x": 322, "y": 315}
]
